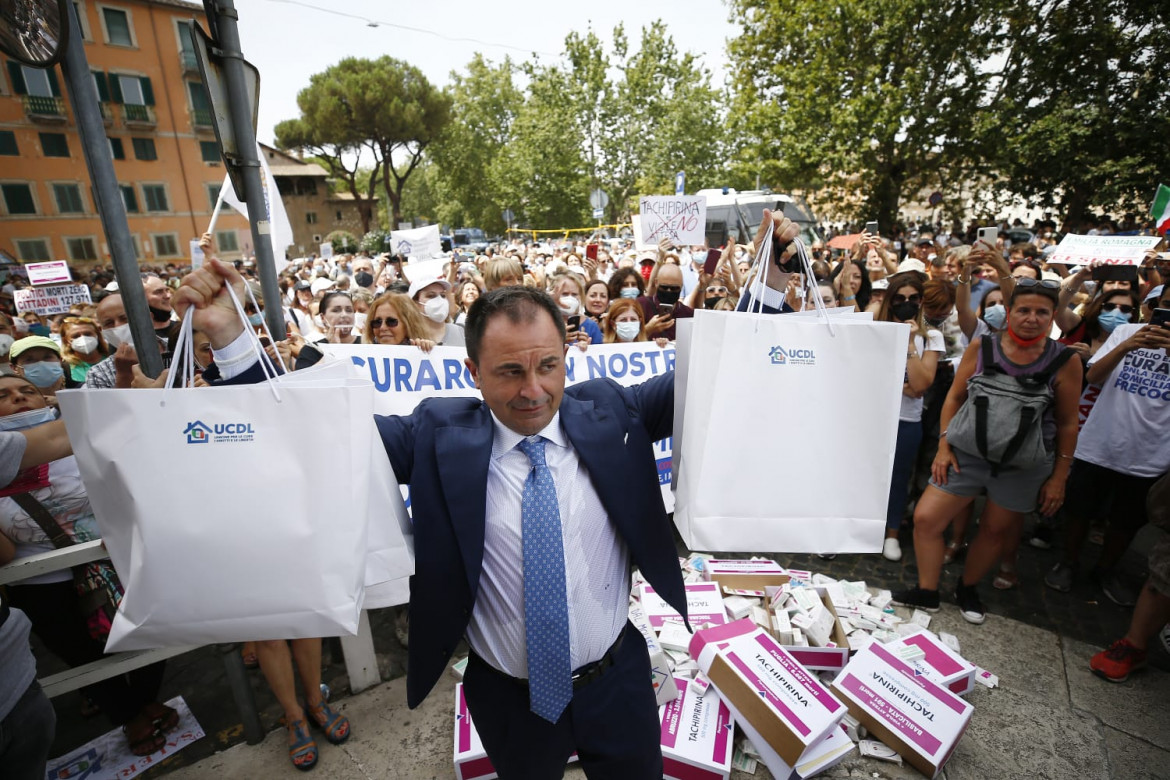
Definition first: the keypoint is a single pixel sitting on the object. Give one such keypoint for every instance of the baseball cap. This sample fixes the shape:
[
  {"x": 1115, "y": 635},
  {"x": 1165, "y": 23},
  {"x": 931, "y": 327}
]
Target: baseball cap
[
  {"x": 1154, "y": 294},
  {"x": 418, "y": 284},
  {"x": 320, "y": 284},
  {"x": 302, "y": 285},
  {"x": 911, "y": 264},
  {"x": 29, "y": 342}
]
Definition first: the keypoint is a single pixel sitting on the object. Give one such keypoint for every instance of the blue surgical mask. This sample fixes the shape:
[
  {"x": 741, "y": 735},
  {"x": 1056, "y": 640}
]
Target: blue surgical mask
[
  {"x": 37, "y": 329},
  {"x": 256, "y": 320},
  {"x": 44, "y": 374},
  {"x": 22, "y": 421},
  {"x": 995, "y": 316},
  {"x": 1108, "y": 320},
  {"x": 627, "y": 331},
  {"x": 629, "y": 292}
]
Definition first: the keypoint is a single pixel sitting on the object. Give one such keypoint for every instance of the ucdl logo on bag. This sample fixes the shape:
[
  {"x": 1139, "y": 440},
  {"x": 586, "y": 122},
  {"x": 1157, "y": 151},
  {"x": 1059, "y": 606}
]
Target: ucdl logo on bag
[
  {"x": 199, "y": 432},
  {"x": 796, "y": 357}
]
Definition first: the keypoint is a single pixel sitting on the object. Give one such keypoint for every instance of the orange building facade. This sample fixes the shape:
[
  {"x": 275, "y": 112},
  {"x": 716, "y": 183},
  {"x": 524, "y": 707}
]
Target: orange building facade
[{"x": 160, "y": 133}]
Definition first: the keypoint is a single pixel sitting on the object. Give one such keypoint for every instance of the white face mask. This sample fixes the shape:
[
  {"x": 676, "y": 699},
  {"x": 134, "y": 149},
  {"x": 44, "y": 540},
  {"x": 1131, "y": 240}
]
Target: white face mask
[
  {"x": 569, "y": 304},
  {"x": 5, "y": 343},
  {"x": 436, "y": 309},
  {"x": 627, "y": 331},
  {"x": 83, "y": 345},
  {"x": 118, "y": 336}
]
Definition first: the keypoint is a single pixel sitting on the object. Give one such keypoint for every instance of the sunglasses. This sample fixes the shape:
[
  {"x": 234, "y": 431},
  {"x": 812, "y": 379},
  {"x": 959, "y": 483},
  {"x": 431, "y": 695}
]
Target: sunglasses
[
  {"x": 670, "y": 288},
  {"x": 1124, "y": 307},
  {"x": 389, "y": 322},
  {"x": 1047, "y": 284},
  {"x": 915, "y": 298}
]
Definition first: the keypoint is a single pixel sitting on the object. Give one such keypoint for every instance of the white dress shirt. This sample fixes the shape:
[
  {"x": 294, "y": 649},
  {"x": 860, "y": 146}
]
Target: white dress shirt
[{"x": 597, "y": 562}]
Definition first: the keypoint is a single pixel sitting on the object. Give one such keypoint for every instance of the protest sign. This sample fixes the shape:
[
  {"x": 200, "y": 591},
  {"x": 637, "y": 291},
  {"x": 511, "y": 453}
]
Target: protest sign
[
  {"x": 325, "y": 251},
  {"x": 403, "y": 376},
  {"x": 51, "y": 300},
  {"x": 422, "y": 243},
  {"x": 53, "y": 272},
  {"x": 196, "y": 252},
  {"x": 680, "y": 218},
  {"x": 1110, "y": 250}
]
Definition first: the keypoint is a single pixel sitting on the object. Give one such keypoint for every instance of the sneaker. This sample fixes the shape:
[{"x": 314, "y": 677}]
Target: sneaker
[
  {"x": 970, "y": 607},
  {"x": 891, "y": 550},
  {"x": 1061, "y": 577},
  {"x": 1115, "y": 590},
  {"x": 1118, "y": 661},
  {"x": 1041, "y": 537},
  {"x": 917, "y": 598}
]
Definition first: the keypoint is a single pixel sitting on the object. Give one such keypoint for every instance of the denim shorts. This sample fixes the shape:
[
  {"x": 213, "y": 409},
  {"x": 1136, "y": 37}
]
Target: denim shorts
[{"x": 1014, "y": 489}]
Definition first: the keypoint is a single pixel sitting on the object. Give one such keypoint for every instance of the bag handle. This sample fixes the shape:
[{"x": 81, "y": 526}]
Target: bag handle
[
  {"x": 36, "y": 510},
  {"x": 759, "y": 271}
]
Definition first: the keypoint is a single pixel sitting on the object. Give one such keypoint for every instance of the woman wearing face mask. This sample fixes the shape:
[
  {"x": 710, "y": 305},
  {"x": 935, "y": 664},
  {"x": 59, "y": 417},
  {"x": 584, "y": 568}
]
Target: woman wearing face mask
[
  {"x": 904, "y": 304},
  {"x": 626, "y": 283},
  {"x": 433, "y": 299},
  {"x": 989, "y": 318},
  {"x": 50, "y": 501},
  {"x": 83, "y": 346},
  {"x": 568, "y": 291},
  {"x": 38, "y": 359},
  {"x": 36, "y": 324},
  {"x": 1102, "y": 315},
  {"x": 625, "y": 324}
]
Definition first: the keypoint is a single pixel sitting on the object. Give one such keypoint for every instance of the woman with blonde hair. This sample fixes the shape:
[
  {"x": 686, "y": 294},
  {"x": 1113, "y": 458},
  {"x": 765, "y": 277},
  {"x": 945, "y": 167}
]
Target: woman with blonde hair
[
  {"x": 395, "y": 319},
  {"x": 625, "y": 324},
  {"x": 82, "y": 346}
]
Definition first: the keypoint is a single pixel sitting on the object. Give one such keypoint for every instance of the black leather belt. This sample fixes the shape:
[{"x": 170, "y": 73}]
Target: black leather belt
[{"x": 581, "y": 676}]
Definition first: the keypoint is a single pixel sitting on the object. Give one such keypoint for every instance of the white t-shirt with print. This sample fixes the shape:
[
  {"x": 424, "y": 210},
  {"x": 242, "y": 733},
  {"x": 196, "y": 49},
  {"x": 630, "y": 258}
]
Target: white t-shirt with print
[
  {"x": 1126, "y": 431},
  {"x": 934, "y": 342}
]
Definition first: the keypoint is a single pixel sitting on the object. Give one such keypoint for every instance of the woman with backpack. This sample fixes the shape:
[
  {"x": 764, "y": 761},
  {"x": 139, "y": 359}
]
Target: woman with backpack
[{"x": 1009, "y": 429}]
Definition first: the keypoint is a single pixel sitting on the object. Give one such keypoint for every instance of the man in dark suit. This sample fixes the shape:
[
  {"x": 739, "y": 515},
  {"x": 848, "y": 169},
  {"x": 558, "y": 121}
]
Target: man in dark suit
[{"x": 529, "y": 509}]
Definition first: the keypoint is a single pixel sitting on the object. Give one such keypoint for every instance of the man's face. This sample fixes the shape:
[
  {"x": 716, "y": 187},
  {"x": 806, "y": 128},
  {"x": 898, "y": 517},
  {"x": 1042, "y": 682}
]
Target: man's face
[
  {"x": 158, "y": 294},
  {"x": 363, "y": 264},
  {"x": 670, "y": 279},
  {"x": 521, "y": 371}
]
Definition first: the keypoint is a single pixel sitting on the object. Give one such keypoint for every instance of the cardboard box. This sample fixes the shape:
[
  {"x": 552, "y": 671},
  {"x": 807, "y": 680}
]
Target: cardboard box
[
  {"x": 905, "y": 709},
  {"x": 697, "y": 735},
  {"x": 789, "y": 709},
  {"x": 704, "y": 605},
  {"x": 748, "y": 575},
  {"x": 471, "y": 761},
  {"x": 660, "y": 677},
  {"x": 940, "y": 663},
  {"x": 824, "y": 659}
]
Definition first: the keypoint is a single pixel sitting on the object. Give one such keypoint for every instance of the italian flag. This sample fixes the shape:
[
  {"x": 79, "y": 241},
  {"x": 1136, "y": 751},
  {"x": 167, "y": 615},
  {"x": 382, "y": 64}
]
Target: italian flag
[{"x": 1161, "y": 210}]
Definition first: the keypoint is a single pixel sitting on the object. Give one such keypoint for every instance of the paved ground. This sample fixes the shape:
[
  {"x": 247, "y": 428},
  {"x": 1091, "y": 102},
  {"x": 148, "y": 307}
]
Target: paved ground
[{"x": 1070, "y": 625}]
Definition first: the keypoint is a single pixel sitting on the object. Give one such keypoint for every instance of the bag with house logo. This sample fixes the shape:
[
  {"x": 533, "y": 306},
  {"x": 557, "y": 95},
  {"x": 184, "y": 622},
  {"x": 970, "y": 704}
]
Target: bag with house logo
[
  {"x": 218, "y": 526},
  {"x": 785, "y": 427}
]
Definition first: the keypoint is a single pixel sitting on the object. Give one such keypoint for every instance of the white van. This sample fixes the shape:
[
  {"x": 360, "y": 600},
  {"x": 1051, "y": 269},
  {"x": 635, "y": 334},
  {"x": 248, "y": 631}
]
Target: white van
[{"x": 736, "y": 216}]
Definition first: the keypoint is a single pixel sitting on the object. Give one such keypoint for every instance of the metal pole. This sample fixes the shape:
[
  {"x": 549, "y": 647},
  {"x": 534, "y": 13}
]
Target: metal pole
[
  {"x": 241, "y": 113},
  {"x": 108, "y": 196}
]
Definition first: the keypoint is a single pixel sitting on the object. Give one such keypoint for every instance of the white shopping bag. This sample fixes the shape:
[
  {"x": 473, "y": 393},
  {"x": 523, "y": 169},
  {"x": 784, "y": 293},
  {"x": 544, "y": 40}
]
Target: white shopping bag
[
  {"x": 217, "y": 532},
  {"x": 768, "y": 401}
]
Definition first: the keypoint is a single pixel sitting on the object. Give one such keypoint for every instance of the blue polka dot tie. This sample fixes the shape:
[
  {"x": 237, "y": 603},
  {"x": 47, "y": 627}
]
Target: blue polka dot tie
[{"x": 546, "y": 609}]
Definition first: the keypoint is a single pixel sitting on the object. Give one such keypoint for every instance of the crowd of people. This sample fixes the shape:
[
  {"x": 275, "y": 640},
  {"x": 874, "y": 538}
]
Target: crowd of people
[{"x": 1034, "y": 389}]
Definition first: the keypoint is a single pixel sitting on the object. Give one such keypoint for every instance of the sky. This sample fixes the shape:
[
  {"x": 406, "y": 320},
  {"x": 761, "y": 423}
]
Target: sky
[{"x": 289, "y": 40}]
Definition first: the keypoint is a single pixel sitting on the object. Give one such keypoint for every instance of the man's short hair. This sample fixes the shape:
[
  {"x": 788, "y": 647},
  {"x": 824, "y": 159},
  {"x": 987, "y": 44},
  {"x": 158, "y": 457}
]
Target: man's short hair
[{"x": 518, "y": 304}]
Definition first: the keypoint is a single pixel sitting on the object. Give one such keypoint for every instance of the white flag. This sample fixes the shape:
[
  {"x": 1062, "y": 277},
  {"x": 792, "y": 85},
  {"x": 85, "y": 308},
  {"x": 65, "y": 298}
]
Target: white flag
[
  {"x": 421, "y": 243},
  {"x": 281, "y": 229}
]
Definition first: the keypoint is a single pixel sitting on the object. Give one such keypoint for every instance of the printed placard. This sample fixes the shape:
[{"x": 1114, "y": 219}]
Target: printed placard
[
  {"x": 1110, "y": 250},
  {"x": 51, "y": 300},
  {"x": 682, "y": 219},
  {"x": 52, "y": 272}
]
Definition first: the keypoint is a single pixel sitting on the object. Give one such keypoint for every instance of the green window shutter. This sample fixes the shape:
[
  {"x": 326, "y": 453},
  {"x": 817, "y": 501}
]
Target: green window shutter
[
  {"x": 17, "y": 76},
  {"x": 103, "y": 87},
  {"x": 115, "y": 88},
  {"x": 54, "y": 87},
  {"x": 147, "y": 91}
]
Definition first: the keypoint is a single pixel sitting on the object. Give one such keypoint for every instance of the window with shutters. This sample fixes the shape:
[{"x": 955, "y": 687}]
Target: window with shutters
[
  {"x": 166, "y": 244},
  {"x": 200, "y": 106},
  {"x": 129, "y": 198},
  {"x": 36, "y": 82},
  {"x": 83, "y": 248},
  {"x": 8, "y": 145},
  {"x": 311, "y": 217},
  {"x": 54, "y": 145},
  {"x": 213, "y": 195},
  {"x": 186, "y": 47},
  {"x": 18, "y": 198},
  {"x": 33, "y": 250},
  {"x": 144, "y": 149},
  {"x": 227, "y": 241},
  {"x": 155, "y": 196},
  {"x": 118, "y": 28},
  {"x": 117, "y": 151},
  {"x": 82, "y": 20},
  {"x": 209, "y": 150},
  {"x": 68, "y": 198}
]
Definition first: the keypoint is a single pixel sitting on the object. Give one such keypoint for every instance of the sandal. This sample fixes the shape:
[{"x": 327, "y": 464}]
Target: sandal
[
  {"x": 146, "y": 743},
  {"x": 334, "y": 725},
  {"x": 1005, "y": 580},
  {"x": 302, "y": 750},
  {"x": 163, "y": 717},
  {"x": 955, "y": 551},
  {"x": 248, "y": 653}
]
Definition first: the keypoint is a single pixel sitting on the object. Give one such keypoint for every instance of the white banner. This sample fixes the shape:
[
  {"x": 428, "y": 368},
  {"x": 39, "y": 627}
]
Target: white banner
[
  {"x": 52, "y": 272},
  {"x": 404, "y": 376},
  {"x": 276, "y": 218},
  {"x": 421, "y": 243},
  {"x": 51, "y": 300},
  {"x": 680, "y": 218},
  {"x": 1110, "y": 250}
]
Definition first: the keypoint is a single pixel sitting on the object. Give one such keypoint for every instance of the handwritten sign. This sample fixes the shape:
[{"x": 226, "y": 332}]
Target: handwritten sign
[
  {"x": 1110, "y": 250},
  {"x": 54, "y": 272},
  {"x": 51, "y": 300},
  {"x": 680, "y": 218}
]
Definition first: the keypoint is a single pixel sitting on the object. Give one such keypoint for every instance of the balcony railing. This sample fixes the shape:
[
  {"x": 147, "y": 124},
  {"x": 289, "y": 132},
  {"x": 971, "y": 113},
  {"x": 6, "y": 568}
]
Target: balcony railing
[
  {"x": 138, "y": 115},
  {"x": 202, "y": 117},
  {"x": 187, "y": 58},
  {"x": 44, "y": 109}
]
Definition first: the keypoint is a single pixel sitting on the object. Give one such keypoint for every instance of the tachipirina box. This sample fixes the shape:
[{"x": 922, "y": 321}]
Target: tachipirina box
[
  {"x": 767, "y": 688},
  {"x": 825, "y": 659},
  {"x": 660, "y": 676},
  {"x": 704, "y": 605},
  {"x": 697, "y": 735},
  {"x": 903, "y": 707},
  {"x": 471, "y": 760},
  {"x": 744, "y": 574},
  {"x": 941, "y": 663}
]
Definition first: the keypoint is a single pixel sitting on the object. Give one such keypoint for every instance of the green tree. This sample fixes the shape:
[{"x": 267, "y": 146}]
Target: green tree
[
  {"x": 870, "y": 101},
  {"x": 1080, "y": 119},
  {"x": 385, "y": 105}
]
